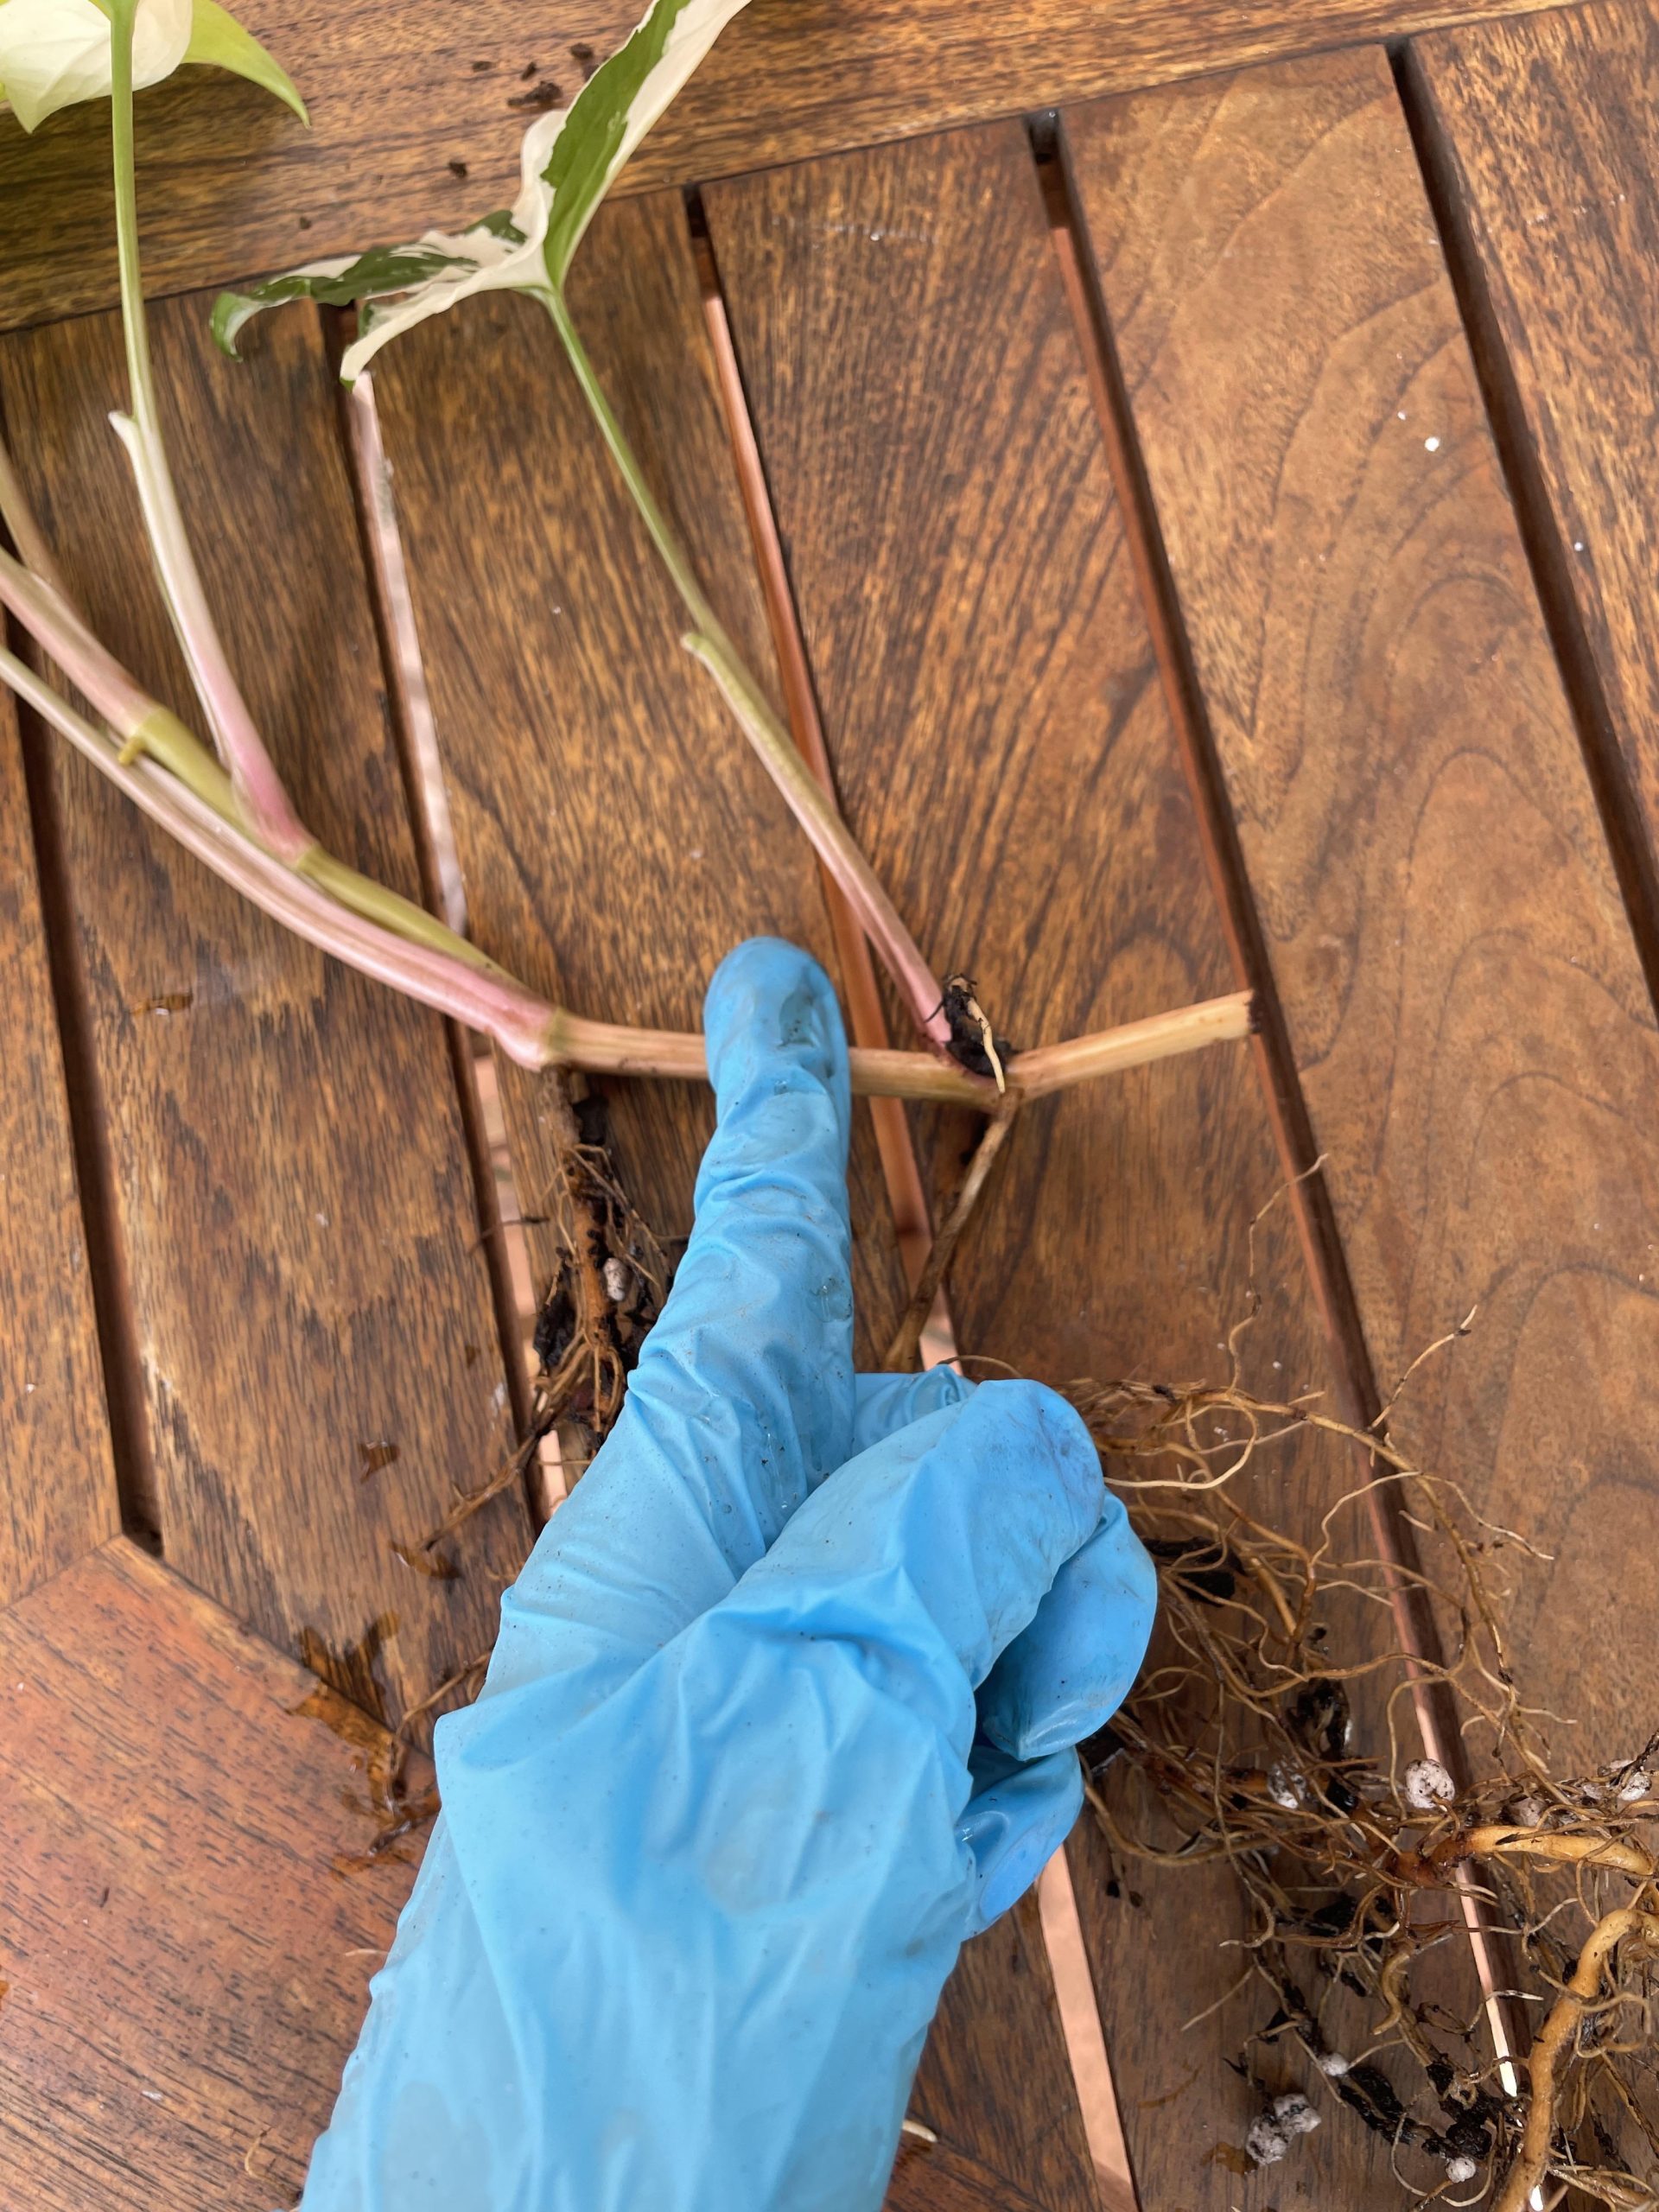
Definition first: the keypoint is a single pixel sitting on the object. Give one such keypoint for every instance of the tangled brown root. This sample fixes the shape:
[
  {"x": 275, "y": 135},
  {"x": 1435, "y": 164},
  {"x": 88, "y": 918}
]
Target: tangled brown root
[
  {"x": 1273, "y": 1729},
  {"x": 592, "y": 1317}
]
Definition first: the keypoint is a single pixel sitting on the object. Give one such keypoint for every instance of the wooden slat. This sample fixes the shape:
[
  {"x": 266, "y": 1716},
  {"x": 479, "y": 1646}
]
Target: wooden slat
[
  {"x": 617, "y": 836},
  {"x": 1549, "y": 148},
  {"x": 57, "y": 1482},
  {"x": 1002, "y": 746},
  {"x": 1467, "y": 1012},
  {"x": 996, "y": 2086},
  {"x": 188, "y": 1919},
  {"x": 398, "y": 98},
  {"x": 313, "y": 1316}
]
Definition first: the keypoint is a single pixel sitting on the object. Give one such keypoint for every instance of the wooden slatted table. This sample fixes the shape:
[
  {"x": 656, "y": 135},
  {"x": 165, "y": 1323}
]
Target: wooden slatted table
[{"x": 1210, "y": 451}]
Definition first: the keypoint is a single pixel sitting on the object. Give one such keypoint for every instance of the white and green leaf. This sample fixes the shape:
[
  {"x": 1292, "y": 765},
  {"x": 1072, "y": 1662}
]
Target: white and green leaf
[
  {"x": 55, "y": 53},
  {"x": 395, "y": 287},
  {"x": 614, "y": 110},
  {"x": 569, "y": 159},
  {"x": 383, "y": 272}
]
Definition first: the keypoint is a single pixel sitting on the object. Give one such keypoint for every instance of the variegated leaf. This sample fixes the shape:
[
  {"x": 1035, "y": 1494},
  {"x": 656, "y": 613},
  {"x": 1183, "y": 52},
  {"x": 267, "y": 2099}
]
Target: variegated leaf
[{"x": 569, "y": 159}]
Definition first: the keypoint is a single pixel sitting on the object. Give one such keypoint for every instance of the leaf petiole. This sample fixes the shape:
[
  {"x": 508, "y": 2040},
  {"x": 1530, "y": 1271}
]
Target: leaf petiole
[
  {"x": 258, "y": 787},
  {"x": 711, "y": 646}
]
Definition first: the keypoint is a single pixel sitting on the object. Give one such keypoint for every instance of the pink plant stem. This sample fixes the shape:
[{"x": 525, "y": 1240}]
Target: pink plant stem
[
  {"x": 26, "y": 533},
  {"x": 527, "y": 1028},
  {"x": 254, "y": 778},
  {"x": 53, "y": 621},
  {"x": 832, "y": 840}
]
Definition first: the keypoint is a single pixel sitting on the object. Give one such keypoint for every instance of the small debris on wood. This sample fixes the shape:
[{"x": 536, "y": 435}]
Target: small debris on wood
[
  {"x": 540, "y": 97},
  {"x": 458, "y": 168}
]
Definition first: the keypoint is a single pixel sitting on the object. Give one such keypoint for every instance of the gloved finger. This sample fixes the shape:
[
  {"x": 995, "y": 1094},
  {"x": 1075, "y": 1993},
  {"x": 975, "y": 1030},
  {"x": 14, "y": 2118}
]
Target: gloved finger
[
  {"x": 743, "y": 1396},
  {"x": 746, "y": 1384},
  {"x": 1070, "y": 1671},
  {"x": 882, "y": 1403},
  {"x": 930, "y": 1552},
  {"x": 1021, "y": 1813}
]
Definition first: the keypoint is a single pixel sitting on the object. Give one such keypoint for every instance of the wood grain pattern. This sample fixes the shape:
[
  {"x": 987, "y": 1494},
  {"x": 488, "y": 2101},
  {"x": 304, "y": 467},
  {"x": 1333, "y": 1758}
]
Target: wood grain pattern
[
  {"x": 1468, "y": 1014},
  {"x": 1554, "y": 156},
  {"x": 186, "y": 1928},
  {"x": 996, "y": 2086},
  {"x": 57, "y": 1484},
  {"x": 987, "y": 685},
  {"x": 400, "y": 101},
  {"x": 617, "y": 836},
  {"x": 319, "y": 1355},
  {"x": 1004, "y": 752}
]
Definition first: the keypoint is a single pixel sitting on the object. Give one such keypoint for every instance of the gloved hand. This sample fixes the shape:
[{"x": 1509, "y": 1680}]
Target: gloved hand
[{"x": 780, "y": 1713}]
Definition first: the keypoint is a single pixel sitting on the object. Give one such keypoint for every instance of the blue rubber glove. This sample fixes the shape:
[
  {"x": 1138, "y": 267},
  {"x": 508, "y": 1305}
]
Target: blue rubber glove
[{"x": 781, "y": 1713}]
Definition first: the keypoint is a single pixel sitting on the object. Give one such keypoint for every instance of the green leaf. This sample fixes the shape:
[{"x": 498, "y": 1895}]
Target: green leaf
[
  {"x": 614, "y": 110},
  {"x": 385, "y": 270},
  {"x": 218, "y": 40}
]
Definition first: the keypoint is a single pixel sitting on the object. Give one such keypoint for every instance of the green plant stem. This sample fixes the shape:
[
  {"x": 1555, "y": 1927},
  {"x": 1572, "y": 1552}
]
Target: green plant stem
[
  {"x": 710, "y": 645},
  {"x": 140, "y": 376},
  {"x": 662, "y": 535}
]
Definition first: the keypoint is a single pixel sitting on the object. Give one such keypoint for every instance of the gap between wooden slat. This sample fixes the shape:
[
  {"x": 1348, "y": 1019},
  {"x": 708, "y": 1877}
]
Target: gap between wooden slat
[
  {"x": 1079, "y": 2015},
  {"x": 106, "y": 1253},
  {"x": 1541, "y": 538},
  {"x": 1359, "y": 1399}
]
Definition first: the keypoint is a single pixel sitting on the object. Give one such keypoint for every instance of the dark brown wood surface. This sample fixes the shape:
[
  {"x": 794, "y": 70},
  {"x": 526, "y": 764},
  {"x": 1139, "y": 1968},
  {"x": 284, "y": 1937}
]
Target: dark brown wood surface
[
  {"x": 988, "y": 690},
  {"x": 1546, "y": 149},
  {"x": 311, "y": 1312},
  {"x": 979, "y": 646},
  {"x": 57, "y": 1479},
  {"x": 400, "y": 100},
  {"x": 1468, "y": 1015},
  {"x": 617, "y": 835},
  {"x": 296, "y": 1288},
  {"x": 187, "y": 1921}
]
